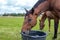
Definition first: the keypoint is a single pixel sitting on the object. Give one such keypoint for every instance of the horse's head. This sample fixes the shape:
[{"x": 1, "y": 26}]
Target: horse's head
[{"x": 29, "y": 21}]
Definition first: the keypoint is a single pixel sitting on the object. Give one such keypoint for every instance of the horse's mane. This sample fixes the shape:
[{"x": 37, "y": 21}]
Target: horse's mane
[
  {"x": 35, "y": 6},
  {"x": 38, "y": 2}
]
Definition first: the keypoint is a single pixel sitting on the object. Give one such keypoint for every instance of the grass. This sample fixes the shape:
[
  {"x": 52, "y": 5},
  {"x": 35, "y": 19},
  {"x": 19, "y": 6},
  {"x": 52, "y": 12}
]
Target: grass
[{"x": 10, "y": 28}]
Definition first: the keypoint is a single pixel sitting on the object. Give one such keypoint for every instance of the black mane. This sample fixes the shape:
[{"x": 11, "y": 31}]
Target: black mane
[{"x": 38, "y": 2}]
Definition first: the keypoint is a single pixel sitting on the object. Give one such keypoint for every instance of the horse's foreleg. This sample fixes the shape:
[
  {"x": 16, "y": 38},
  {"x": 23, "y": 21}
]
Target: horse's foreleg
[
  {"x": 56, "y": 22},
  {"x": 43, "y": 18}
]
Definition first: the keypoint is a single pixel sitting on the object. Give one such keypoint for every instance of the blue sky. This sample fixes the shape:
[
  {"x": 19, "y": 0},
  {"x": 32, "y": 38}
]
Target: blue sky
[{"x": 15, "y": 6}]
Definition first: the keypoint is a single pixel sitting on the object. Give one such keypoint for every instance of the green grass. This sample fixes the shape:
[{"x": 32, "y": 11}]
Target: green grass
[{"x": 10, "y": 28}]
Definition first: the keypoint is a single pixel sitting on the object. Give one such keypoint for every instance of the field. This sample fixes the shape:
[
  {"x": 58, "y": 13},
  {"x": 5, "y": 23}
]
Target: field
[{"x": 10, "y": 28}]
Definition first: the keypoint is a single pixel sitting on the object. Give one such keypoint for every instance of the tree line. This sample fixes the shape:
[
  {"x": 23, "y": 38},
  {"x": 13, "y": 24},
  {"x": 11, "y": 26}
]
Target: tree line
[{"x": 13, "y": 14}]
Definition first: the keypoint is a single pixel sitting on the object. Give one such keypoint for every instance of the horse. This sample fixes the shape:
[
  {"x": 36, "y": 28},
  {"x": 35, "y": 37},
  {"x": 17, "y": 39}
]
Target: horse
[
  {"x": 47, "y": 14},
  {"x": 38, "y": 8},
  {"x": 28, "y": 23}
]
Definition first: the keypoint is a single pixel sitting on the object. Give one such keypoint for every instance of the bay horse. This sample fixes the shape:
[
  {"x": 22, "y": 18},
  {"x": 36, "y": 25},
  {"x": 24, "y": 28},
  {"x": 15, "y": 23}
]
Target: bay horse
[
  {"x": 49, "y": 16},
  {"x": 38, "y": 8}
]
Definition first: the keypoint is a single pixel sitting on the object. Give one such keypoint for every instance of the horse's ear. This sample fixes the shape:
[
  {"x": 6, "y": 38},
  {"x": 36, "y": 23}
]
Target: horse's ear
[
  {"x": 26, "y": 10},
  {"x": 32, "y": 10}
]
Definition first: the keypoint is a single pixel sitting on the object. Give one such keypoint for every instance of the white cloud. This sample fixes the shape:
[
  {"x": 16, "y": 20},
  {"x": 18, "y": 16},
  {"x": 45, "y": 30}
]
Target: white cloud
[
  {"x": 15, "y": 5},
  {"x": 2, "y": 2},
  {"x": 26, "y": 2}
]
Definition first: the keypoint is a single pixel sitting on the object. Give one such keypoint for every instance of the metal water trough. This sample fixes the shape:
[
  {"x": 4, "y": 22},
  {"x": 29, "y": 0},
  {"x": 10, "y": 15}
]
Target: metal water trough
[{"x": 34, "y": 35}]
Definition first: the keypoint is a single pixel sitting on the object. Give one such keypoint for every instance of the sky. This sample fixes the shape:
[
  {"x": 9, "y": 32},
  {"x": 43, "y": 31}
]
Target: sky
[{"x": 15, "y": 6}]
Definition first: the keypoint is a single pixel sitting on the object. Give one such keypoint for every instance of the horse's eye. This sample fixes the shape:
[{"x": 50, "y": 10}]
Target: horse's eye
[
  {"x": 29, "y": 20},
  {"x": 36, "y": 14}
]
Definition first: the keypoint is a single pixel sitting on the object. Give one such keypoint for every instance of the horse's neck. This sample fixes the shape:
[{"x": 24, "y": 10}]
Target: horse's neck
[{"x": 41, "y": 7}]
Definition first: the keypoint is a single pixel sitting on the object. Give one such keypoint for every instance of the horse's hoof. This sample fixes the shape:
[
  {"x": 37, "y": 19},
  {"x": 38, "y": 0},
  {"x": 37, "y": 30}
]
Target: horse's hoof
[{"x": 54, "y": 38}]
